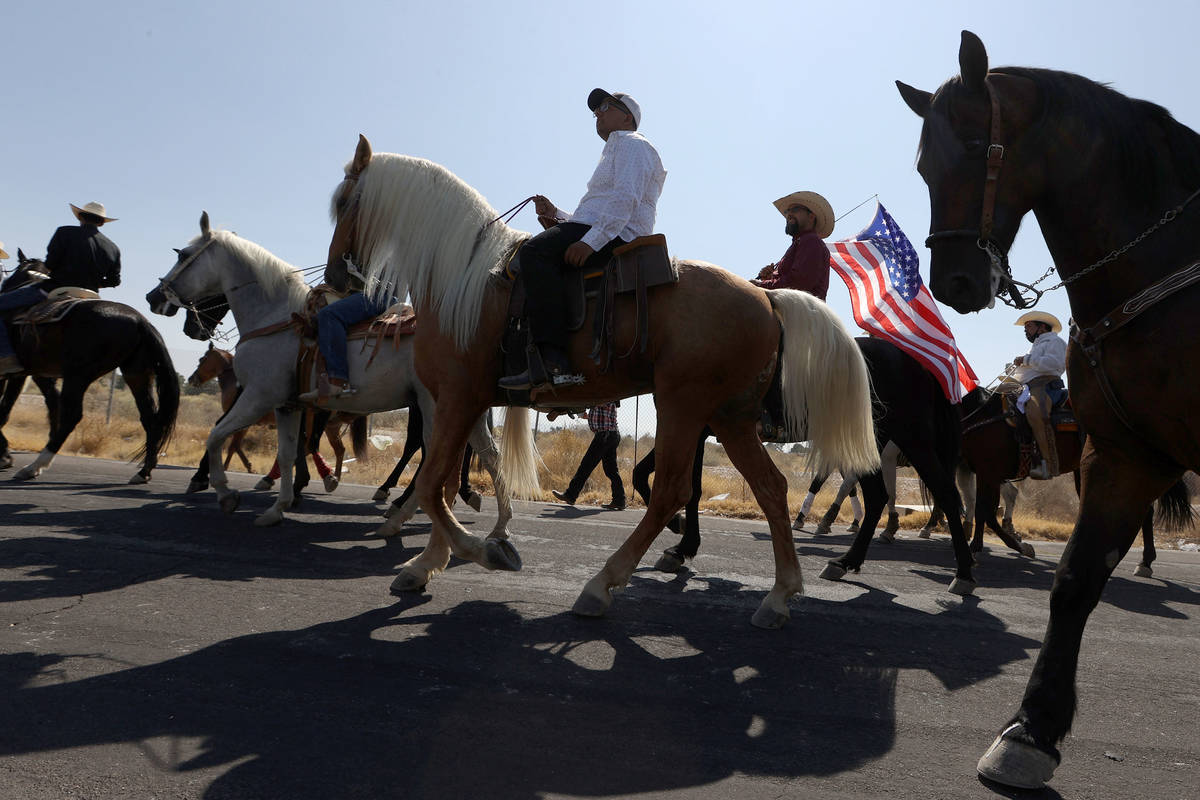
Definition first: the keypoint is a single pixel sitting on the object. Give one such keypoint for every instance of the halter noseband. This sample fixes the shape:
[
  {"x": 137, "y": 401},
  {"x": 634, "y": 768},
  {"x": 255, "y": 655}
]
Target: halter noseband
[{"x": 1001, "y": 272}]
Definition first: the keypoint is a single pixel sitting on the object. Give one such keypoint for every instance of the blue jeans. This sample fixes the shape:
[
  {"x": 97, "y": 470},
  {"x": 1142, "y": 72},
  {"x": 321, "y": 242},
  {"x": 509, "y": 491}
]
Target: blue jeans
[
  {"x": 332, "y": 322},
  {"x": 16, "y": 300}
]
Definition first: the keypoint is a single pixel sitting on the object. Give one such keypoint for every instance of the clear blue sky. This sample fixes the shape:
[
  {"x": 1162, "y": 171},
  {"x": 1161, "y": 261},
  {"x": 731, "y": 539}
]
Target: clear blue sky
[{"x": 250, "y": 109}]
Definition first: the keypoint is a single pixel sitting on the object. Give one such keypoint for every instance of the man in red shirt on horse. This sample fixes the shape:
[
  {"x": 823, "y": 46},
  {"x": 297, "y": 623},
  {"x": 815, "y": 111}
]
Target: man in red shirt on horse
[{"x": 805, "y": 265}]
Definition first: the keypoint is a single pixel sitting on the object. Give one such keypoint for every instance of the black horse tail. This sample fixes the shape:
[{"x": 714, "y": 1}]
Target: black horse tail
[
  {"x": 358, "y": 439},
  {"x": 1175, "y": 508},
  {"x": 166, "y": 383}
]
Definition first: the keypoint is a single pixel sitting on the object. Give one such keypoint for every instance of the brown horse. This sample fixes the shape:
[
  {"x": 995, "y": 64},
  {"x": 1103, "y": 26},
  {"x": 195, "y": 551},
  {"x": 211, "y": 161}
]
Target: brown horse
[
  {"x": 1113, "y": 183},
  {"x": 713, "y": 348},
  {"x": 217, "y": 363}
]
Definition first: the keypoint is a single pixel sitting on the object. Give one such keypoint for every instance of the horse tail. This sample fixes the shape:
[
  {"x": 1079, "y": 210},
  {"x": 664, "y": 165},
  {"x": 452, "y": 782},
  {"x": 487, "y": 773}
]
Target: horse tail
[
  {"x": 358, "y": 439},
  {"x": 518, "y": 454},
  {"x": 1175, "y": 508},
  {"x": 826, "y": 387},
  {"x": 166, "y": 383}
]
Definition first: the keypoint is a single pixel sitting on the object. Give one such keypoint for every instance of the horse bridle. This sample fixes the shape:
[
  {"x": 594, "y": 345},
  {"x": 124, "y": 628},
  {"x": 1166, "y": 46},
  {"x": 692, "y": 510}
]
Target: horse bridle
[{"x": 1001, "y": 272}]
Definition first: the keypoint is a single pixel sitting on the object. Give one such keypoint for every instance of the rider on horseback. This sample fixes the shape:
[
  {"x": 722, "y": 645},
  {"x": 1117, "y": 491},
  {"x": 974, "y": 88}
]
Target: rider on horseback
[
  {"x": 1041, "y": 371},
  {"x": 78, "y": 255},
  {"x": 619, "y": 206}
]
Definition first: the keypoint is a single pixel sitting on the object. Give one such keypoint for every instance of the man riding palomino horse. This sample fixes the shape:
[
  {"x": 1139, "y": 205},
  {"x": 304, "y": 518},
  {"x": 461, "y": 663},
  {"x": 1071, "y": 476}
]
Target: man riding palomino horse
[
  {"x": 78, "y": 255},
  {"x": 1041, "y": 371},
  {"x": 618, "y": 207}
]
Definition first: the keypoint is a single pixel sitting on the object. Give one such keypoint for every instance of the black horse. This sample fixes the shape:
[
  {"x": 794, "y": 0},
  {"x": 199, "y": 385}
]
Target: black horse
[
  {"x": 910, "y": 410},
  {"x": 1115, "y": 185},
  {"x": 92, "y": 339}
]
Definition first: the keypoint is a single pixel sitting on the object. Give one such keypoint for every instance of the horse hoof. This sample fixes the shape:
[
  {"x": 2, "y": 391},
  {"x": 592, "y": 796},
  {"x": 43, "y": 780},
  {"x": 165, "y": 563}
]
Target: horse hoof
[
  {"x": 887, "y": 536},
  {"x": 768, "y": 618},
  {"x": 407, "y": 582},
  {"x": 387, "y": 530},
  {"x": 5, "y": 461},
  {"x": 264, "y": 483},
  {"x": 331, "y": 484},
  {"x": 1143, "y": 571},
  {"x": 197, "y": 486},
  {"x": 380, "y": 496},
  {"x": 26, "y": 473},
  {"x": 924, "y": 534},
  {"x": 272, "y": 516},
  {"x": 822, "y": 529},
  {"x": 500, "y": 554},
  {"x": 230, "y": 502},
  {"x": 670, "y": 561},
  {"x": 1027, "y": 549},
  {"x": 962, "y": 587},
  {"x": 391, "y": 511},
  {"x": 1016, "y": 764},
  {"x": 833, "y": 572},
  {"x": 475, "y": 501},
  {"x": 591, "y": 605},
  {"x": 139, "y": 479}
]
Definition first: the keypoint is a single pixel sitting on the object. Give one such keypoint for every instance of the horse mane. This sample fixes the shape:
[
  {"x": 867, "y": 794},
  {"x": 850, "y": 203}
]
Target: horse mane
[
  {"x": 274, "y": 275},
  {"x": 424, "y": 233},
  {"x": 1133, "y": 128}
]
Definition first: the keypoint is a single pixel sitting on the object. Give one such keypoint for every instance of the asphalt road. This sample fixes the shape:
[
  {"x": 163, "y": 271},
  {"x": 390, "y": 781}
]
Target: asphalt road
[{"x": 152, "y": 647}]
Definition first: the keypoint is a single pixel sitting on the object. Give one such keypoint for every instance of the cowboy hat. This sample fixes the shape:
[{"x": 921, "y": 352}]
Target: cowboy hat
[
  {"x": 3, "y": 253},
  {"x": 598, "y": 96},
  {"x": 93, "y": 208},
  {"x": 1040, "y": 316},
  {"x": 818, "y": 205}
]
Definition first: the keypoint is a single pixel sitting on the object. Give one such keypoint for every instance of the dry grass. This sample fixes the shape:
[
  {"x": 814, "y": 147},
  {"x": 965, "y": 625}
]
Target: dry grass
[{"x": 1045, "y": 509}]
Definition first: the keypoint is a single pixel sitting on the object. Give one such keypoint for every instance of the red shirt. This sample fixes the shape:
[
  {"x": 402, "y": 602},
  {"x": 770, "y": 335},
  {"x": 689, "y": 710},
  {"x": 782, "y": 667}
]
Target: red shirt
[{"x": 805, "y": 266}]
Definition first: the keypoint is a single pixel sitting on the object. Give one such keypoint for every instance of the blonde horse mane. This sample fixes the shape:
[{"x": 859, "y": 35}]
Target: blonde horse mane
[
  {"x": 270, "y": 272},
  {"x": 424, "y": 233}
]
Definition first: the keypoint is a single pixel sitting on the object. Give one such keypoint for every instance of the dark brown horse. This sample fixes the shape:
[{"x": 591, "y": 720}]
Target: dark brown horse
[
  {"x": 91, "y": 340},
  {"x": 422, "y": 231},
  {"x": 1113, "y": 183}
]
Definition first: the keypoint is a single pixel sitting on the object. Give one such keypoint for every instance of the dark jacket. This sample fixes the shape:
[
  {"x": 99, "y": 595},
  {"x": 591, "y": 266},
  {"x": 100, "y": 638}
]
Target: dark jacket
[{"x": 80, "y": 255}]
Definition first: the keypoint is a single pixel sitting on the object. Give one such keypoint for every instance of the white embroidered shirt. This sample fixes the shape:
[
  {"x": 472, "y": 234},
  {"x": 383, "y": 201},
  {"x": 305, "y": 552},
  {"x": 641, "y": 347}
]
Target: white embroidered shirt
[{"x": 622, "y": 194}]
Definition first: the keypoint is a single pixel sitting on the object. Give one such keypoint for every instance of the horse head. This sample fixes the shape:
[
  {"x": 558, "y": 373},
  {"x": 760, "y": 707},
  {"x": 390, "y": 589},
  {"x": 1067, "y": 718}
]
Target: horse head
[
  {"x": 203, "y": 318},
  {"x": 27, "y": 272},
  {"x": 341, "y": 256},
  {"x": 212, "y": 364},
  {"x": 977, "y": 160}
]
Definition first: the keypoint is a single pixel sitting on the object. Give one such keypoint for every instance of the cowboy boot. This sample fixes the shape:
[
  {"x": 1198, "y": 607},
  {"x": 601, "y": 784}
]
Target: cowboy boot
[{"x": 1049, "y": 466}]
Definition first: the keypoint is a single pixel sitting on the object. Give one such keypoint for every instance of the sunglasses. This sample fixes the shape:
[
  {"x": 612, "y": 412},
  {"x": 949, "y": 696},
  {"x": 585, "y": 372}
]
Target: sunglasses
[{"x": 607, "y": 104}]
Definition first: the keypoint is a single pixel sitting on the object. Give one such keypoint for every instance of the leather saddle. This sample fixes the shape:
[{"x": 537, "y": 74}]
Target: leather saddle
[{"x": 56, "y": 305}]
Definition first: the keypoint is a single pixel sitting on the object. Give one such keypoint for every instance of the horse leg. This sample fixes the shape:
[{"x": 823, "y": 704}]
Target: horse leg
[
  {"x": 888, "y": 458},
  {"x": 482, "y": 444},
  {"x": 674, "y": 454},
  {"x": 332, "y": 435},
  {"x": 875, "y": 496},
  {"x": 69, "y": 405},
  {"x": 1144, "y": 569},
  {"x": 1117, "y": 490},
  {"x": 469, "y": 495},
  {"x": 246, "y": 410},
  {"x": 1008, "y": 494},
  {"x": 412, "y": 443},
  {"x": 287, "y": 431},
  {"x": 12, "y": 390},
  {"x": 675, "y": 558},
  {"x": 806, "y": 506}
]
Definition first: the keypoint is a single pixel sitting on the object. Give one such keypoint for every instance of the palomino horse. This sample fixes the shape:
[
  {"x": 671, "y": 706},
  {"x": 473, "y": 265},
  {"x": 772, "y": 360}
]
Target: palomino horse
[
  {"x": 94, "y": 338},
  {"x": 711, "y": 352},
  {"x": 263, "y": 290},
  {"x": 1120, "y": 218},
  {"x": 218, "y": 364}
]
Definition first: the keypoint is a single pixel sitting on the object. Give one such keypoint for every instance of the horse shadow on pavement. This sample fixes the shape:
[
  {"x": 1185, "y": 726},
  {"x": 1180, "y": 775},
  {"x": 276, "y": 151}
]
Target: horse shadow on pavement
[{"x": 487, "y": 699}]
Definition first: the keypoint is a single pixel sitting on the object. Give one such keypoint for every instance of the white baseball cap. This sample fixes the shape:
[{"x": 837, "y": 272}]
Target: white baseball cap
[{"x": 598, "y": 96}]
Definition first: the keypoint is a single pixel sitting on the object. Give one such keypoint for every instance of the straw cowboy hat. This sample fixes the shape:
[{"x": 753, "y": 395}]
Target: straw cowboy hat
[
  {"x": 813, "y": 202},
  {"x": 3, "y": 252},
  {"x": 91, "y": 208},
  {"x": 1040, "y": 316}
]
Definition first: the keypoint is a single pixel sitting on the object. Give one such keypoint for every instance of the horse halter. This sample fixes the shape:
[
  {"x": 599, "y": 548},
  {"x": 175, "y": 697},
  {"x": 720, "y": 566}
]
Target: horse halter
[
  {"x": 1001, "y": 272},
  {"x": 168, "y": 289}
]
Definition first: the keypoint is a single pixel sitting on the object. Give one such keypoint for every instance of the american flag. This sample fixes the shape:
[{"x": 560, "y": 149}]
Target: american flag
[{"x": 890, "y": 301}]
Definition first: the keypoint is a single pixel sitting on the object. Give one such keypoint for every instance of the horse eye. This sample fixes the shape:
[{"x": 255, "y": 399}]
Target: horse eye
[{"x": 975, "y": 147}]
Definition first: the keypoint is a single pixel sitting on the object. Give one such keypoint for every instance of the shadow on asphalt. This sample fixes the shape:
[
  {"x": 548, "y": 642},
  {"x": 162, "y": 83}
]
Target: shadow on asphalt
[{"x": 481, "y": 701}]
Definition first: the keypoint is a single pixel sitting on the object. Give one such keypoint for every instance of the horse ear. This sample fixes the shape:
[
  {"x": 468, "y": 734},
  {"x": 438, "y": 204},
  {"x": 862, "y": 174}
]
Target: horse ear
[
  {"x": 362, "y": 156},
  {"x": 917, "y": 99},
  {"x": 20, "y": 255},
  {"x": 972, "y": 61},
  {"x": 204, "y": 228},
  {"x": 210, "y": 344}
]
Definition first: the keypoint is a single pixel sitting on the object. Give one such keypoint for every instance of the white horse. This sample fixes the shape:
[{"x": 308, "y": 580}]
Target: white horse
[{"x": 262, "y": 290}]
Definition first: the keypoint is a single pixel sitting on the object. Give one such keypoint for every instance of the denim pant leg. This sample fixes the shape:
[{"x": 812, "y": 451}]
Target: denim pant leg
[
  {"x": 332, "y": 322},
  {"x": 16, "y": 300}
]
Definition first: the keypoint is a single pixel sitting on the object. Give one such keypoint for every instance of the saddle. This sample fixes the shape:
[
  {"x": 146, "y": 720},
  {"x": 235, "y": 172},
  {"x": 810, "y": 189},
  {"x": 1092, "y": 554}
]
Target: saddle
[
  {"x": 1062, "y": 416},
  {"x": 633, "y": 269},
  {"x": 56, "y": 305}
]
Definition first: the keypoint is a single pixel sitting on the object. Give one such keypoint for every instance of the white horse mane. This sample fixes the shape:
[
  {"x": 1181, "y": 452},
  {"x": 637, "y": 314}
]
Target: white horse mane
[
  {"x": 424, "y": 233},
  {"x": 271, "y": 273}
]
